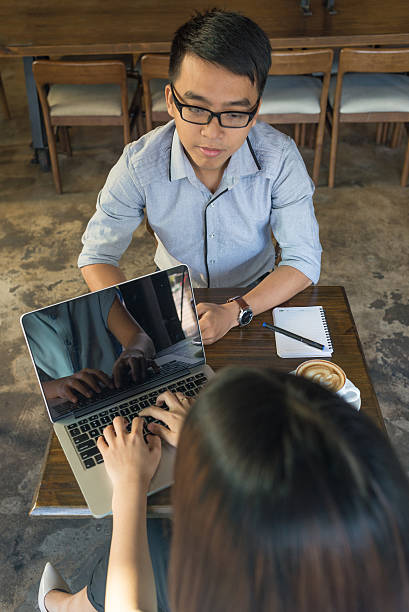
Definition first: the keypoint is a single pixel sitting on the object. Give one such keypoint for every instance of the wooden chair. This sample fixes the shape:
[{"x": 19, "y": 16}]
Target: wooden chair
[
  {"x": 83, "y": 93},
  {"x": 3, "y": 100},
  {"x": 293, "y": 96},
  {"x": 358, "y": 95},
  {"x": 154, "y": 71}
]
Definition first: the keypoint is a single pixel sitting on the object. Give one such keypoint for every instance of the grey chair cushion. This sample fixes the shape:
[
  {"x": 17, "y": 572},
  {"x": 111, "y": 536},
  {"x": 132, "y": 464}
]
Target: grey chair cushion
[
  {"x": 88, "y": 100},
  {"x": 372, "y": 93},
  {"x": 291, "y": 94}
]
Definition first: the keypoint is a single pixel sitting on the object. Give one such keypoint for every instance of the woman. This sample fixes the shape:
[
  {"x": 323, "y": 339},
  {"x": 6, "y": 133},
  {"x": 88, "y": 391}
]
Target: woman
[{"x": 285, "y": 500}]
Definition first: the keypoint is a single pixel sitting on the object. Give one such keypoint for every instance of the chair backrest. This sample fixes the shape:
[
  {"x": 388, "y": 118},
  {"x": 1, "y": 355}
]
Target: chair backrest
[
  {"x": 373, "y": 60},
  {"x": 369, "y": 60},
  {"x": 153, "y": 66},
  {"x": 301, "y": 61},
  {"x": 49, "y": 72}
]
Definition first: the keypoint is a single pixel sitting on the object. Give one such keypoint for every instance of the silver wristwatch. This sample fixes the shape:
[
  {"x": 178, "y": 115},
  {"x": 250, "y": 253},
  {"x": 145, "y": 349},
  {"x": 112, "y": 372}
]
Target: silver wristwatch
[{"x": 245, "y": 314}]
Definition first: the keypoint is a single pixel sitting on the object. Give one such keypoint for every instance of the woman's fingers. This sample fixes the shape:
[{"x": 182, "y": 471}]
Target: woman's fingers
[
  {"x": 154, "y": 443},
  {"x": 157, "y": 413},
  {"x": 160, "y": 431},
  {"x": 174, "y": 401},
  {"x": 137, "y": 426},
  {"x": 116, "y": 429}
]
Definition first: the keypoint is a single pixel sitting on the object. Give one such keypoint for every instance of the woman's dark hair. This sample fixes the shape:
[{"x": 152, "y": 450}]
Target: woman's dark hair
[
  {"x": 228, "y": 39},
  {"x": 286, "y": 500}
]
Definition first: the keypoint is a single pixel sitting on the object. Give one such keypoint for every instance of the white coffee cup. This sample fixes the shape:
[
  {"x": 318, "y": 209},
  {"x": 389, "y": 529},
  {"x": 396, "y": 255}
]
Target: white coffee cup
[{"x": 332, "y": 377}]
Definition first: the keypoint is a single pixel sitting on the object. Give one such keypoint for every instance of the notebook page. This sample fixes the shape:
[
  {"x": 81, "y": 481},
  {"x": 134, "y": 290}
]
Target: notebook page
[{"x": 309, "y": 322}]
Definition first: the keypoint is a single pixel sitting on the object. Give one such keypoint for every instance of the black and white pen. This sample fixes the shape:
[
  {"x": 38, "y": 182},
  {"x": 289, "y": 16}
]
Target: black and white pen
[{"x": 285, "y": 332}]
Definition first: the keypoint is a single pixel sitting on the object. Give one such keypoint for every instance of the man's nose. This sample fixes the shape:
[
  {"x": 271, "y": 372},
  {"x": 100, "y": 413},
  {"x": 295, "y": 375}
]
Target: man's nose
[{"x": 213, "y": 129}]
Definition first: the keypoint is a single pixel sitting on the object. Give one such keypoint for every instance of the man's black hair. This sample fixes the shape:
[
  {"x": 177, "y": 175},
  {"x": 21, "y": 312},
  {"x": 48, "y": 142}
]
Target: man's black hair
[{"x": 225, "y": 38}]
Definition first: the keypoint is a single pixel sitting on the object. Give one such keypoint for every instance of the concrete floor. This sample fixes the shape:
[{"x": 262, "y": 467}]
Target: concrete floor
[{"x": 364, "y": 228}]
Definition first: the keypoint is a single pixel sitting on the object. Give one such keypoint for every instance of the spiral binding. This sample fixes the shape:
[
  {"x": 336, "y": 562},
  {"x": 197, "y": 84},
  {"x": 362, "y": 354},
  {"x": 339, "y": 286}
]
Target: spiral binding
[{"x": 325, "y": 324}]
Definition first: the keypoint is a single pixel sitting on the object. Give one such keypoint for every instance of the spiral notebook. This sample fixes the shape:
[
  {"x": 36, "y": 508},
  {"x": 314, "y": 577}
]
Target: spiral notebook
[{"x": 309, "y": 322}]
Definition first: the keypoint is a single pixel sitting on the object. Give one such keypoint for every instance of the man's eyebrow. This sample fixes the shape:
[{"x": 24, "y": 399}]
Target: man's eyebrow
[{"x": 191, "y": 95}]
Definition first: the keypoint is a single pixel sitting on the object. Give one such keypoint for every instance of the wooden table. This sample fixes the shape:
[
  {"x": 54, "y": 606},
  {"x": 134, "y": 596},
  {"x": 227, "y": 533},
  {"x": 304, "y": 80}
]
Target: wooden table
[
  {"x": 92, "y": 27},
  {"x": 125, "y": 26},
  {"x": 58, "y": 493}
]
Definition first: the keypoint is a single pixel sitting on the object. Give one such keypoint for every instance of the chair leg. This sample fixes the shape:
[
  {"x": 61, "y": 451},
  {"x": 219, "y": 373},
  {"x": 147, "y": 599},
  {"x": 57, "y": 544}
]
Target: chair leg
[
  {"x": 297, "y": 134},
  {"x": 4, "y": 100},
  {"x": 405, "y": 169},
  {"x": 396, "y": 135},
  {"x": 311, "y": 135},
  {"x": 319, "y": 140},
  {"x": 379, "y": 128},
  {"x": 65, "y": 140},
  {"x": 385, "y": 131},
  {"x": 333, "y": 150},
  {"x": 302, "y": 135},
  {"x": 52, "y": 147},
  {"x": 127, "y": 130}
]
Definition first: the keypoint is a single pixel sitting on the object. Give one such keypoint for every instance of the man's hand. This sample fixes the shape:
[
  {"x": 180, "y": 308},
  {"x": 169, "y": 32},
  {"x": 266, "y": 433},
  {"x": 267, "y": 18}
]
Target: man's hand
[
  {"x": 174, "y": 418},
  {"x": 131, "y": 364},
  {"x": 86, "y": 382},
  {"x": 129, "y": 460},
  {"x": 216, "y": 320}
]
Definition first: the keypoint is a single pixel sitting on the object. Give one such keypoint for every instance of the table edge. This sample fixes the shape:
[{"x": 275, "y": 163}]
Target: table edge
[{"x": 340, "y": 40}]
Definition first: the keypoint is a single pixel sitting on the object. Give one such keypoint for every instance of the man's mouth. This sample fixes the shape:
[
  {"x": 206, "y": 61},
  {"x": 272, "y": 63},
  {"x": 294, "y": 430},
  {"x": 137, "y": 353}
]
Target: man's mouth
[{"x": 208, "y": 152}]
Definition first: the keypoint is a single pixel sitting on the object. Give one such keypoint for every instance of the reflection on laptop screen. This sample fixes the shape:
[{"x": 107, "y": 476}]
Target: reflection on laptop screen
[{"x": 81, "y": 335}]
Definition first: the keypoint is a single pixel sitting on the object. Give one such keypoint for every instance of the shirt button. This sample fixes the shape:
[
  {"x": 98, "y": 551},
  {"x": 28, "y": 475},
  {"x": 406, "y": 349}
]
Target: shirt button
[
  {"x": 212, "y": 205},
  {"x": 212, "y": 235},
  {"x": 212, "y": 261}
]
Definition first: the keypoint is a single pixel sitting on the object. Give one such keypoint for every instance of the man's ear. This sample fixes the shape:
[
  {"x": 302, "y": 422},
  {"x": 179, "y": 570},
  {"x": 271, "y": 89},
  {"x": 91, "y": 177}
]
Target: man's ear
[{"x": 169, "y": 101}]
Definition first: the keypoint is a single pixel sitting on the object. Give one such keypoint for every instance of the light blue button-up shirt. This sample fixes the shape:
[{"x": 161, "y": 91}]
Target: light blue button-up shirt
[{"x": 224, "y": 237}]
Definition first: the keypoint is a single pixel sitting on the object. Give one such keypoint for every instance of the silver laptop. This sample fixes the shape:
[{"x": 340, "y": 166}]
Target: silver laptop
[{"x": 76, "y": 347}]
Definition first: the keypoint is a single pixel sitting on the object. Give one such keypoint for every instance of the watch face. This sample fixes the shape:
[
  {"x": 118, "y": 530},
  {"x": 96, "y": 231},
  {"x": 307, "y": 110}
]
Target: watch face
[{"x": 246, "y": 316}]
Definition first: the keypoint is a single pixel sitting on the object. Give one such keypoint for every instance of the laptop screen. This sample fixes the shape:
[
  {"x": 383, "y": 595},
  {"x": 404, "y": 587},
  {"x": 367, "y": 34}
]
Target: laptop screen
[{"x": 115, "y": 341}]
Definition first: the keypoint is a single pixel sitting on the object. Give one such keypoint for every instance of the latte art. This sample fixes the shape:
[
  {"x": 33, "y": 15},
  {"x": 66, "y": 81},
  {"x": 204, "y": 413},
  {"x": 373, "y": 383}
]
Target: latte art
[{"x": 325, "y": 373}]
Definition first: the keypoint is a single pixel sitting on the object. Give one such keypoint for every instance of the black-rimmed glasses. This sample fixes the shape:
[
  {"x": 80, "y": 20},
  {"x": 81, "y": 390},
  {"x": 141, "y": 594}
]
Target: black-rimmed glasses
[{"x": 203, "y": 116}]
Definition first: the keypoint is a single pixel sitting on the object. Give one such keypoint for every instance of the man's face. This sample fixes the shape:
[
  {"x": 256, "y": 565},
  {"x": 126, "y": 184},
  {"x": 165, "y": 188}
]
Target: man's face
[{"x": 200, "y": 83}]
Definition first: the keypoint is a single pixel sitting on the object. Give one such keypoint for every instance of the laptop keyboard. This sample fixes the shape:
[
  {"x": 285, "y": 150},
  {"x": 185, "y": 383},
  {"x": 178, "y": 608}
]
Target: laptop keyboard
[{"x": 86, "y": 431}]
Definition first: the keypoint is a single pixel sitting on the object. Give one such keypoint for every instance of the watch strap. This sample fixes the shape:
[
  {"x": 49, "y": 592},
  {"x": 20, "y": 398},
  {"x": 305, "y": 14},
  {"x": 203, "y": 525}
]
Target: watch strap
[{"x": 241, "y": 302}]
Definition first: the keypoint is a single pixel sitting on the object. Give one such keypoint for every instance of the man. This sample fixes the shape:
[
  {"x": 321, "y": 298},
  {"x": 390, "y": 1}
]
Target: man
[{"x": 213, "y": 182}]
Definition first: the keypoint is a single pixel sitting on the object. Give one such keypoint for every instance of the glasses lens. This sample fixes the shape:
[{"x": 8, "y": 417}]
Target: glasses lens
[
  {"x": 194, "y": 114},
  {"x": 234, "y": 119}
]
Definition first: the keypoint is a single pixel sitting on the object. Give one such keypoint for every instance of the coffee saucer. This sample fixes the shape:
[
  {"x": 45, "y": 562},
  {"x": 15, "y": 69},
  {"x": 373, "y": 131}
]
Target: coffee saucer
[{"x": 355, "y": 403}]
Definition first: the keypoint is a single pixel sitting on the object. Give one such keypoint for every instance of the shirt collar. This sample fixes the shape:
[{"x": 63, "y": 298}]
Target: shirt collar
[{"x": 242, "y": 163}]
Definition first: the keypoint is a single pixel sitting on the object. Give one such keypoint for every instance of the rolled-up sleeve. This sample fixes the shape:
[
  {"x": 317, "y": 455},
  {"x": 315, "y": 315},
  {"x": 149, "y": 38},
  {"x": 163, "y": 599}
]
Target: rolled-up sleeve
[
  {"x": 293, "y": 220},
  {"x": 119, "y": 211}
]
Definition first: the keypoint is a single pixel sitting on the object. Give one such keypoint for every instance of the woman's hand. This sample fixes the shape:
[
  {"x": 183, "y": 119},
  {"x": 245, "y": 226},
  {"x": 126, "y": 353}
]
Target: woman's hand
[
  {"x": 86, "y": 382},
  {"x": 132, "y": 364},
  {"x": 129, "y": 460},
  {"x": 178, "y": 405}
]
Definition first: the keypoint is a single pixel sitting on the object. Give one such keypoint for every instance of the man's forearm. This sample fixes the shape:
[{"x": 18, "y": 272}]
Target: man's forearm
[
  {"x": 282, "y": 284},
  {"x": 99, "y": 276}
]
